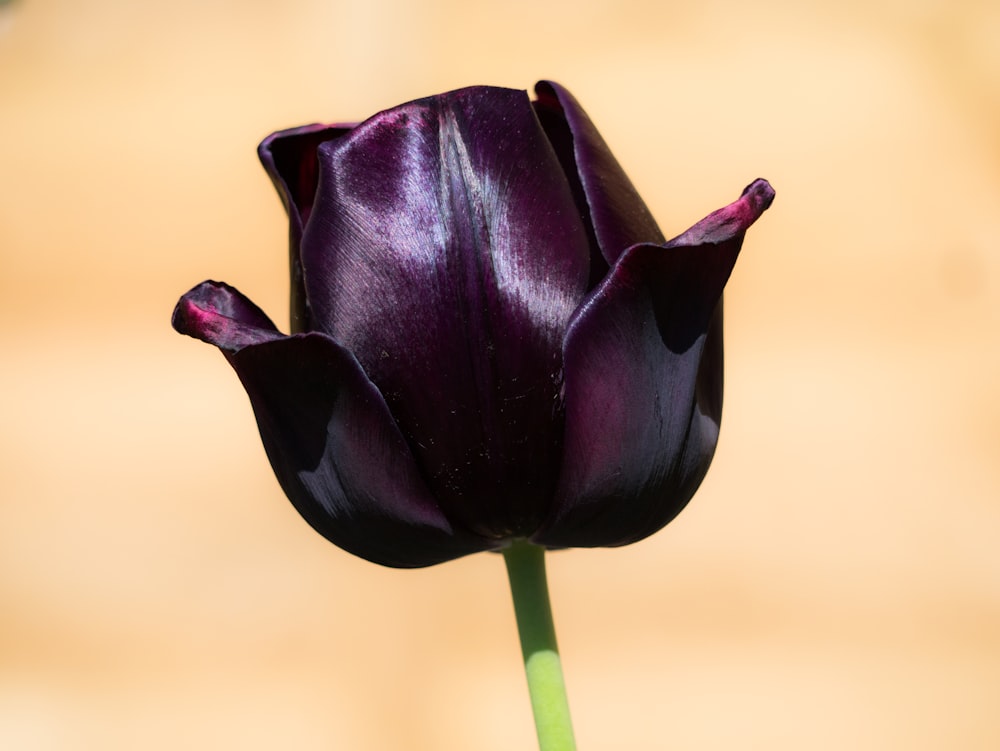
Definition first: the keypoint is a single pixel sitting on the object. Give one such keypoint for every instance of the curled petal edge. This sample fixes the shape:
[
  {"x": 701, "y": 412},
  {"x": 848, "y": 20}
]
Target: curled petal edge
[
  {"x": 221, "y": 315},
  {"x": 290, "y": 159},
  {"x": 618, "y": 215},
  {"x": 643, "y": 383},
  {"x": 334, "y": 447}
]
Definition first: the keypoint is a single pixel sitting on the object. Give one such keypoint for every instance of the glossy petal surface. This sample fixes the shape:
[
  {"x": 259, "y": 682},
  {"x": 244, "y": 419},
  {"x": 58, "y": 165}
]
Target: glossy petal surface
[
  {"x": 644, "y": 383},
  {"x": 448, "y": 257}
]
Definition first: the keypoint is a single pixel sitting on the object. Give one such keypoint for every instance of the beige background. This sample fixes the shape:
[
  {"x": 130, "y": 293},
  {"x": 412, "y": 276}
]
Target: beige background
[{"x": 835, "y": 584}]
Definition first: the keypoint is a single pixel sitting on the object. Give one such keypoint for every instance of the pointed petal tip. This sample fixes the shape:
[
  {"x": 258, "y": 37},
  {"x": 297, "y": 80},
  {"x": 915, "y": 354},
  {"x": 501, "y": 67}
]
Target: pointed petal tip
[
  {"x": 219, "y": 314},
  {"x": 755, "y": 199},
  {"x": 191, "y": 309},
  {"x": 732, "y": 221},
  {"x": 760, "y": 194}
]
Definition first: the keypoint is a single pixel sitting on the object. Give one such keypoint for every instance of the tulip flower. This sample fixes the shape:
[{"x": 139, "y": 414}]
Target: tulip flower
[{"x": 493, "y": 346}]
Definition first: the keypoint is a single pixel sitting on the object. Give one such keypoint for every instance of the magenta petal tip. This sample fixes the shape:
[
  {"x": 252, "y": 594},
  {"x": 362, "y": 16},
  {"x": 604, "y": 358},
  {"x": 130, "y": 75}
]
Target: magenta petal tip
[{"x": 760, "y": 194}]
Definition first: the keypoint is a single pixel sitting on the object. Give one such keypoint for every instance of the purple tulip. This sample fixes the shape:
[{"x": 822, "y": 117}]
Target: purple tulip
[{"x": 492, "y": 340}]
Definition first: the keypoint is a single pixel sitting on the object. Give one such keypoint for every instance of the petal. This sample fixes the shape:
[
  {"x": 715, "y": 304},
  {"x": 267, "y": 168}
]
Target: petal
[
  {"x": 334, "y": 447},
  {"x": 339, "y": 456},
  {"x": 290, "y": 158},
  {"x": 445, "y": 251},
  {"x": 619, "y": 216},
  {"x": 291, "y": 161},
  {"x": 644, "y": 383},
  {"x": 219, "y": 314}
]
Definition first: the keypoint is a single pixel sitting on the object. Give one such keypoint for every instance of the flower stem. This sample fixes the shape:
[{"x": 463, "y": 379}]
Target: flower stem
[{"x": 526, "y": 571}]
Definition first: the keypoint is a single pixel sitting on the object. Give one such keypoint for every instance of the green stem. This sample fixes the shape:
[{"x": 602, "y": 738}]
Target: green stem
[{"x": 526, "y": 571}]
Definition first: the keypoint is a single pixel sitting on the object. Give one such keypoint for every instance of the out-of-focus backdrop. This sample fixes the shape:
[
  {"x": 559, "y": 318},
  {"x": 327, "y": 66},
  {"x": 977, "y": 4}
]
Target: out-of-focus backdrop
[{"x": 836, "y": 582}]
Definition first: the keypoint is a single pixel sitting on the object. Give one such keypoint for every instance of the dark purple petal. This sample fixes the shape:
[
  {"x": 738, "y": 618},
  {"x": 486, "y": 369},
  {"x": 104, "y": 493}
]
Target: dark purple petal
[
  {"x": 290, "y": 158},
  {"x": 448, "y": 256},
  {"x": 335, "y": 449},
  {"x": 340, "y": 457},
  {"x": 618, "y": 214},
  {"x": 643, "y": 376},
  {"x": 219, "y": 314}
]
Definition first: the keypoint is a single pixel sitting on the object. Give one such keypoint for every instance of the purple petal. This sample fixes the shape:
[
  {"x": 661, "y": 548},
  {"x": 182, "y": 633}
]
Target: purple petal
[
  {"x": 290, "y": 158},
  {"x": 335, "y": 449},
  {"x": 448, "y": 257},
  {"x": 219, "y": 314},
  {"x": 340, "y": 457},
  {"x": 618, "y": 214},
  {"x": 643, "y": 392}
]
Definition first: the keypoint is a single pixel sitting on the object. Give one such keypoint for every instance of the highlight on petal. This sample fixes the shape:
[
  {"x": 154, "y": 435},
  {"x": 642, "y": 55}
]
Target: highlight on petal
[
  {"x": 643, "y": 383},
  {"x": 340, "y": 457},
  {"x": 618, "y": 214},
  {"x": 448, "y": 256},
  {"x": 221, "y": 315}
]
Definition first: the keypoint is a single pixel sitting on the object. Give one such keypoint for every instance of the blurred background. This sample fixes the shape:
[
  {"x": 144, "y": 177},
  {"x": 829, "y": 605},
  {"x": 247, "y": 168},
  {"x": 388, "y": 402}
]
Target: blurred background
[{"x": 836, "y": 582}]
